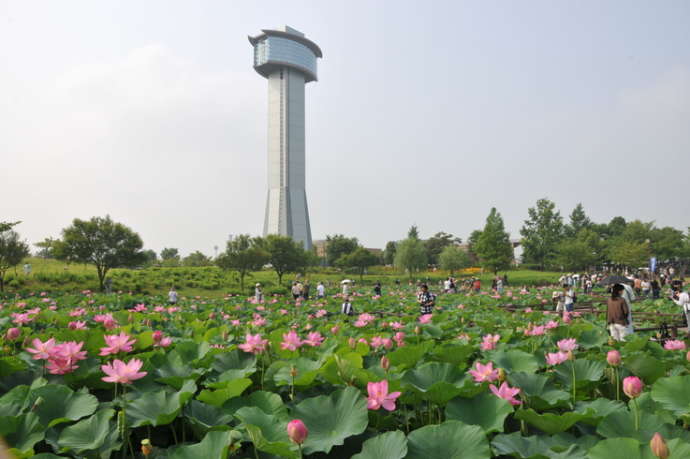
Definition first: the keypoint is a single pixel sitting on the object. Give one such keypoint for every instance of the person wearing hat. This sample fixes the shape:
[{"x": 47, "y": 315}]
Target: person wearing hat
[
  {"x": 258, "y": 293},
  {"x": 346, "y": 287}
]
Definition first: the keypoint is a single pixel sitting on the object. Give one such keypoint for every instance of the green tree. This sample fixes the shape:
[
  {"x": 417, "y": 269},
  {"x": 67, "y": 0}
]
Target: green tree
[
  {"x": 453, "y": 258},
  {"x": 101, "y": 242},
  {"x": 12, "y": 250},
  {"x": 575, "y": 254},
  {"x": 541, "y": 233},
  {"x": 494, "y": 248},
  {"x": 389, "y": 253},
  {"x": 578, "y": 221},
  {"x": 151, "y": 257},
  {"x": 196, "y": 259},
  {"x": 339, "y": 245},
  {"x": 410, "y": 256},
  {"x": 360, "y": 259},
  {"x": 284, "y": 254},
  {"x": 46, "y": 248},
  {"x": 472, "y": 246},
  {"x": 170, "y": 256},
  {"x": 629, "y": 253},
  {"x": 436, "y": 243},
  {"x": 413, "y": 232},
  {"x": 667, "y": 243},
  {"x": 243, "y": 254}
]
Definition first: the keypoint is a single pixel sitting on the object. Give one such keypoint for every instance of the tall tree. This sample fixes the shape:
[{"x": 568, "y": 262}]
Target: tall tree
[
  {"x": 151, "y": 257},
  {"x": 629, "y": 253},
  {"x": 196, "y": 259},
  {"x": 436, "y": 243},
  {"x": 46, "y": 248},
  {"x": 578, "y": 221},
  {"x": 413, "y": 232},
  {"x": 453, "y": 258},
  {"x": 472, "y": 246},
  {"x": 102, "y": 242},
  {"x": 360, "y": 259},
  {"x": 12, "y": 250},
  {"x": 389, "y": 253},
  {"x": 574, "y": 254},
  {"x": 541, "y": 233},
  {"x": 494, "y": 248},
  {"x": 284, "y": 254},
  {"x": 170, "y": 256},
  {"x": 667, "y": 243},
  {"x": 339, "y": 245},
  {"x": 411, "y": 256},
  {"x": 243, "y": 254}
]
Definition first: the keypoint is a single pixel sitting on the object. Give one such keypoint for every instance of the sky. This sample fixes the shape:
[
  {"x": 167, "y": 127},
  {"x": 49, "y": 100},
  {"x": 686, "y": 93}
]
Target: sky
[{"x": 426, "y": 113}]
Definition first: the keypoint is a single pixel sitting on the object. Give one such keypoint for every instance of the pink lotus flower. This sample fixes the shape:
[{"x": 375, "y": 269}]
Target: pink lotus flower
[
  {"x": 335, "y": 329},
  {"x": 235, "y": 323},
  {"x": 77, "y": 312},
  {"x": 140, "y": 308},
  {"x": 41, "y": 350},
  {"x": 482, "y": 373},
  {"x": 314, "y": 339},
  {"x": 291, "y": 341},
  {"x": 123, "y": 373},
  {"x": 489, "y": 342},
  {"x": 551, "y": 324},
  {"x": 22, "y": 318},
  {"x": 254, "y": 344},
  {"x": 632, "y": 386},
  {"x": 77, "y": 325},
  {"x": 379, "y": 396},
  {"x": 674, "y": 345},
  {"x": 64, "y": 357},
  {"x": 399, "y": 339},
  {"x": 556, "y": 358},
  {"x": 376, "y": 342},
  {"x": 13, "y": 333},
  {"x": 396, "y": 325},
  {"x": 613, "y": 358},
  {"x": 566, "y": 345},
  {"x": 297, "y": 431},
  {"x": 321, "y": 313},
  {"x": 116, "y": 344},
  {"x": 506, "y": 393},
  {"x": 385, "y": 363},
  {"x": 425, "y": 319}
]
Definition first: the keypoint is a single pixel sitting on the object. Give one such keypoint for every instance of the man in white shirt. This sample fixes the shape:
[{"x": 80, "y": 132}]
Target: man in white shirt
[
  {"x": 172, "y": 296},
  {"x": 684, "y": 302},
  {"x": 320, "y": 290},
  {"x": 568, "y": 298}
]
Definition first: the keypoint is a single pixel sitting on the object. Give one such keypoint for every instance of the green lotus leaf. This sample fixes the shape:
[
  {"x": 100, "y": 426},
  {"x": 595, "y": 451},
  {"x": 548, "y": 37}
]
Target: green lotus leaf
[
  {"x": 160, "y": 407},
  {"x": 56, "y": 403},
  {"x": 450, "y": 440},
  {"x": 224, "y": 391},
  {"x": 389, "y": 445},
  {"x": 646, "y": 367},
  {"x": 22, "y": 432},
  {"x": 585, "y": 371},
  {"x": 90, "y": 434},
  {"x": 457, "y": 354},
  {"x": 601, "y": 407},
  {"x": 552, "y": 423},
  {"x": 204, "y": 417},
  {"x": 514, "y": 360},
  {"x": 673, "y": 394},
  {"x": 538, "y": 387},
  {"x": 268, "y": 402},
  {"x": 622, "y": 424},
  {"x": 620, "y": 448},
  {"x": 306, "y": 369},
  {"x": 215, "y": 444},
  {"x": 267, "y": 432},
  {"x": 331, "y": 419},
  {"x": 171, "y": 369},
  {"x": 485, "y": 410},
  {"x": 408, "y": 356}
]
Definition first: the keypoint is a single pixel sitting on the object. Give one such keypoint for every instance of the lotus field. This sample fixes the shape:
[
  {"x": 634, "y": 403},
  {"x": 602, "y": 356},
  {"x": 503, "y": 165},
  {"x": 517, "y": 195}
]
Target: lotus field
[{"x": 100, "y": 376}]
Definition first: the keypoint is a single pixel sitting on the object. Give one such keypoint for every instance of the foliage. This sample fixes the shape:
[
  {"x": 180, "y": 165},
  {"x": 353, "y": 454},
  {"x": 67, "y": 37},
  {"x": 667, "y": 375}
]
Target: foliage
[
  {"x": 389, "y": 253},
  {"x": 494, "y": 248},
  {"x": 578, "y": 221},
  {"x": 284, "y": 254},
  {"x": 436, "y": 243},
  {"x": 629, "y": 253},
  {"x": 12, "y": 250},
  {"x": 338, "y": 246},
  {"x": 410, "y": 255},
  {"x": 102, "y": 242},
  {"x": 360, "y": 259},
  {"x": 243, "y": 254},
  {"x": 541, "y": 233},
  {"x": 453, "y": 258},
  {"x": 170, "y": 256}
]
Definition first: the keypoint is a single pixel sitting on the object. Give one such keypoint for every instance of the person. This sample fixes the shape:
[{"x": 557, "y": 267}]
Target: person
[
  {"x": 494, "y": 285},
  {"x": 558, "y": 300},
  {"x": 453, "y": 287},
  {"x": 346, "y": 308},
  {"x": 637, "y": 283},
  {"x": 646, "y": 287},
  {"x": 477, "y": 285},
  {"x": 346, "y": 287},
  {"x": 629, "y": 296},
  {"x": 296, "y": 290},
  {"x": 617, "y": 314},
  {"x": 320, "y": 290},
  {"x": 27, "y": 269},
  {"x": 499, "y": 285},
  {"x": 397, "y": 284},
  {"x": 588, "y": 286},
  {"x": 446, "y": 285},
  {"x": 656, "y": 289},
  {"x": 108, "y": 285},
  {"x": 568, "y": 298},
  {"x": 426, "y": 300},
  {"x": 682, "y": 299},
  {"x": 305, "y": 289},
  {"x": 258, "y": 293},
  {"x": 172, "y": 295},
  {"x": 377, "y": 288}
]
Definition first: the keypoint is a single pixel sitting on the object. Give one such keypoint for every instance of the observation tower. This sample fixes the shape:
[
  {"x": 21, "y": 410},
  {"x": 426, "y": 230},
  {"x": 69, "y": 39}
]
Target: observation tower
[{"x": 287, "y": 59}]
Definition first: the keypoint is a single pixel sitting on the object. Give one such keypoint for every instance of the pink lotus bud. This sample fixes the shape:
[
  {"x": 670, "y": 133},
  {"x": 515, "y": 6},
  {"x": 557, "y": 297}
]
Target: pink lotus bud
[
  {"x": 297, "y": 431},
  {"x": 335, "y": 329},
  {"x": 385, "y": 363},
  {"x": 613, "y": 358},
  {"x": 658, "y": 446},
  {"x": 157, "y": 336},
  {"x": 632, "y": 386},
  {"x": 13, "y": 333},
  {"x": 352, "y": 343}
]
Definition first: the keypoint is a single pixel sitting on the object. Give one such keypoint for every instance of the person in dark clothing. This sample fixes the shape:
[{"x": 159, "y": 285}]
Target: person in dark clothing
[
  {"x": 656, "y": 289},
  {"x": 426, "y": 300},
  {"x": 377, "y": 289},
  {"x": 617, "y": 314}
]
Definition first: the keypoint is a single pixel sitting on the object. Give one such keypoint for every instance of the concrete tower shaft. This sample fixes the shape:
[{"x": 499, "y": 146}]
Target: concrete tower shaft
[{"x": 288, "y": 61}]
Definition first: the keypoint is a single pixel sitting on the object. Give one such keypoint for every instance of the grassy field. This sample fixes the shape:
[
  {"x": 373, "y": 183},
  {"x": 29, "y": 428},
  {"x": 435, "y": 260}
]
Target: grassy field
[{"x": 56, "y": 276}]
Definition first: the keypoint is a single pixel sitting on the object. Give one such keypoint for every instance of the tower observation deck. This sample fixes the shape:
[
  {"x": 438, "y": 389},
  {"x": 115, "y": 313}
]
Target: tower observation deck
[{"x": 288, "y": 61}]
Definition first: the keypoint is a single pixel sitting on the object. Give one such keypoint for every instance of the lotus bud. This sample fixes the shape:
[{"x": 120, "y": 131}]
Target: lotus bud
[
  {"x": 293, "y": 372},
  {"x": 335, "y": 329},
  {"x": 297, "y": 431},
  {"x": 658, "y": 446},
  {"x": 632, "y": 386},
  {"x": 501, "y": 375},
  {"x": 13, "y": 333},
  {"x": 146, "y": 447},
  {"x": 416, "y": 330},
  {"x": 613, "y": 358},
  {"x": 157, "y": 336},
  {"x": 385, "y": 363},
  {"x": 352, "y": 343}
]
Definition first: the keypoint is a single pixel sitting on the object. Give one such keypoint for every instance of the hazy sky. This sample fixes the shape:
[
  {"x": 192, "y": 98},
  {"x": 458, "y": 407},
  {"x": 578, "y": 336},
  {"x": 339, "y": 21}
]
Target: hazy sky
[{"x": 424, "y": 112}]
